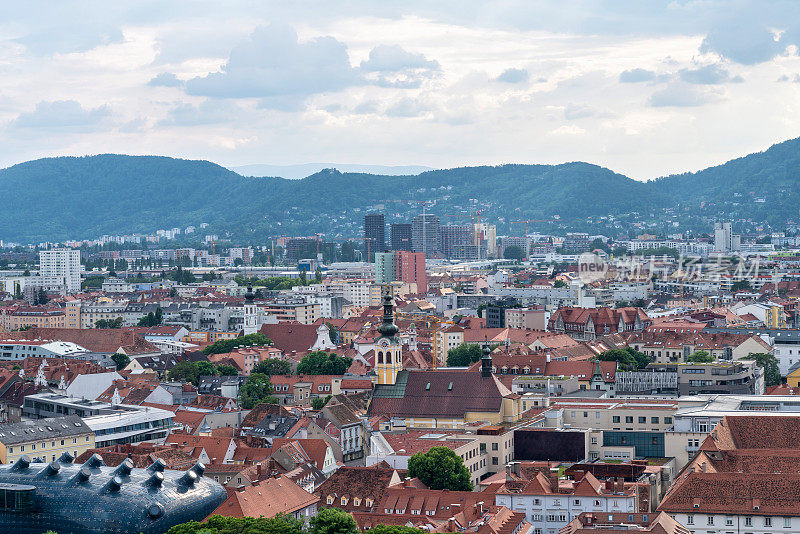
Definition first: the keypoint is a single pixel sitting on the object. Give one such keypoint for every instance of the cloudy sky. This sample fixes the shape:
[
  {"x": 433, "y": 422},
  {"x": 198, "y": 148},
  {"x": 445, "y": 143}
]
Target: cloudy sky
[{"x": 645, "y": 88}]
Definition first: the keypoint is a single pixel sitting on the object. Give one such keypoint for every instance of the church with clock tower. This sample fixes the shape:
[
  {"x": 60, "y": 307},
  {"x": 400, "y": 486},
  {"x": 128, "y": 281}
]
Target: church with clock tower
[{"x": 388, "y": 349}]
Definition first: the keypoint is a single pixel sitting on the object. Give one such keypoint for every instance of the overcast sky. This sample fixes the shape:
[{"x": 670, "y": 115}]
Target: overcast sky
[{"x": 645, "y": 88}]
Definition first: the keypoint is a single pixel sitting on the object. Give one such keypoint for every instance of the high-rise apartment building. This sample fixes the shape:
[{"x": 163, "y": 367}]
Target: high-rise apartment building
[
  {"x": 724, "y": 238},
  {"x": 425, "y": 235},
  {"x": 374, "y": 233},
  {"x": 486, "y": 236},
  {"x": 410, "y": 267},
  {"x": 63, "y": 264},
  {"x": 400, "y": 236},
  {"x": 453, "y": 237},
  {"x": 384, "y": 267}
]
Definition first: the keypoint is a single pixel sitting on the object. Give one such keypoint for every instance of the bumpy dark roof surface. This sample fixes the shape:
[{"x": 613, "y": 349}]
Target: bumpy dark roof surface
[{"x": 93, "y": 499}]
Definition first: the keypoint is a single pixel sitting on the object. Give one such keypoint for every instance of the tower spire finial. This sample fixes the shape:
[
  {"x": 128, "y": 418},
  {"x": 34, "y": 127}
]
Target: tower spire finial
[{"x": 388, "y": 329}]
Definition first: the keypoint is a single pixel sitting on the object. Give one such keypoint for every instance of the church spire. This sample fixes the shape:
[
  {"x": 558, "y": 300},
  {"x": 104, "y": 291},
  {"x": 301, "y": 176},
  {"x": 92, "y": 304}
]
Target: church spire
[
  {"x": 249, "y": 296},
  {"x": 388, "y": 329}
]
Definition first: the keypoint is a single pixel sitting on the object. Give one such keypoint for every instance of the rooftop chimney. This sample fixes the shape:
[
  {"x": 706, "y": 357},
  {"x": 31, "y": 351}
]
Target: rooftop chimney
[{"x": 554, "y": 480}]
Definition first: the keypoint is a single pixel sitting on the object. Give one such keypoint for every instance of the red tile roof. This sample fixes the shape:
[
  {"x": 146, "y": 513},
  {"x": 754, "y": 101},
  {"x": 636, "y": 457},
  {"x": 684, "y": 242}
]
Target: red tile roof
[{"x": 266, "y": 498}]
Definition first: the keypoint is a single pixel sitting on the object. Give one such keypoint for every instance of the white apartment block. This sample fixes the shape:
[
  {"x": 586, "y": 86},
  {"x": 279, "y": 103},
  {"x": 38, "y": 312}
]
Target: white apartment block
[{"x": 63, "y": 264}]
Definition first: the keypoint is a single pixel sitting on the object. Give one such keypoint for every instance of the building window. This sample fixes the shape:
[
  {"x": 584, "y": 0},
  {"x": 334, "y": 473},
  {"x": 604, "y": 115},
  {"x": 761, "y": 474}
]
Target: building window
[
  {"x": 787, "y": 522},
  {"x": 690, "y": 520},
  {"x": 748, "y": 521},
  {"x": 767, "y": 521},
  {"x": 710, "y": 521},
  {"x": 615, "y": 419}
]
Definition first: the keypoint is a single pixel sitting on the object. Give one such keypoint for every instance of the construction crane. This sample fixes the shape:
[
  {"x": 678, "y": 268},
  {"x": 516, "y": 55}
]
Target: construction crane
[{"x": 532, "y": 221}]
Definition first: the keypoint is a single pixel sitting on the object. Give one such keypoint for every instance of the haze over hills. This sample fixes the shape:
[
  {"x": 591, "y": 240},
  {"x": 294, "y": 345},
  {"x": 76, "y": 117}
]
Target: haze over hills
[
  {"x": 62, "y": 198},
  {"x": 294, "y": 172}
]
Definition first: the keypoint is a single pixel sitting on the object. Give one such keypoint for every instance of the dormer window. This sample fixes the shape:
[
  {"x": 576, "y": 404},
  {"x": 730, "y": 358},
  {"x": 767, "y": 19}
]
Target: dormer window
[{"x": 330, "y": 499}]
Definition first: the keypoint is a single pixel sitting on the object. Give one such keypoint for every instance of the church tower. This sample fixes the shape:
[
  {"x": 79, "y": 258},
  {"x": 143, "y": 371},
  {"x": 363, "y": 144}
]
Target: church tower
[
  {"x": 388, "y": 349},
  {"x": 251, "y": 325}
]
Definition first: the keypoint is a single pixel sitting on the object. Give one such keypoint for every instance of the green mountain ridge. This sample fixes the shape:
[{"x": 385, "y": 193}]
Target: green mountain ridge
[{"x": 61, "y": 198}]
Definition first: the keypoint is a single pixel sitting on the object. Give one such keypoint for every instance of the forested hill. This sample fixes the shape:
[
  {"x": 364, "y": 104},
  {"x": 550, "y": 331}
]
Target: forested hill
[{"x": 75, "y": 198}]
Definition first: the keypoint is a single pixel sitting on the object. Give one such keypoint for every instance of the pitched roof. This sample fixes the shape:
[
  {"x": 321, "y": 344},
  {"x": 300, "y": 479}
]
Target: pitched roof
[
  {"x": 109, "y": 340},
  {"x": 767, "y": 494},
  {"x": 291, "y": 336},
  {"x": 440, "y": 393},
  {"x": 362, "y": 482},
  {"x": 266, "y": 498}
]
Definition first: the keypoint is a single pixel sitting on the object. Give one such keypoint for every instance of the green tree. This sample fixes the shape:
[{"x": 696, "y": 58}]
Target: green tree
[
  {"x": 205, "y": 368},
  {"x": 772, "y": 373},
  {"x": 628, "y": 358},
  {"x": 319, "y": 403},
  {"x": 321, "y": 363},
  {"x": 273, "y": 366},
  {"x": 741, "y": 285},
  {"x": 218, "y": 524},
  {"x": 227, "y": 370},
  {"x": 700, "y": 356},
  {"x": 224, "y": 346},
  {"x": 184, "y": 371},
  {"x": 333, "y": 333},
  {"x": 464, "y": 355},
  {"x": 514, "y": 253},
  {"x": 121, "y": 360},
  {"x": 152, "y": 319},
  {"x": 559, "y": 283},
  {"x": 303, "y": 278},
  {"x": 318, "y": 276},
  {"x": 440, "y": 468},
  {"x": 257, "y": 389},
  {"x": 333, "y": 521},
  {"x": 41, "y": 297},
  {"x": 108, "y": 323}
]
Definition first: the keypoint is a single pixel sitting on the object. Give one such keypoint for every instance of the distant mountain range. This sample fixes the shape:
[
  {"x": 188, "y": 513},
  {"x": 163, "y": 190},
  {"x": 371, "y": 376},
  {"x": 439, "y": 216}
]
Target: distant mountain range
[
  {"x": 294, "y": 172},
  {"x": 54, "y": 199}
]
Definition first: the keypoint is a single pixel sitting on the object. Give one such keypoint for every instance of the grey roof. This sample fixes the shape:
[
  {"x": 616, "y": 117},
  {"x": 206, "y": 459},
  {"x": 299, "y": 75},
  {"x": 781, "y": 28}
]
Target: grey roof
[{"x": 42, "y": 429}]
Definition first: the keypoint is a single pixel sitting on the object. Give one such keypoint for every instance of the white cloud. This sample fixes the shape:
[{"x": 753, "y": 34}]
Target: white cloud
[
  {"x": 637, "y": 75},
  {"x": 165, "y": 79},
  {"x": 647, "y": 86},
  {"x": 272, "y": 62},
  {"x": 61, "y": 115},
  {"x": 708, "y": 75},
  {"x": 513, "y": 75},
  {"x": 205, "y": 113},
  {"x": 392, "y": 58},
  {"x": 683, "y": 95}
]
